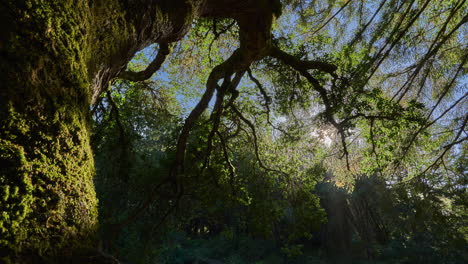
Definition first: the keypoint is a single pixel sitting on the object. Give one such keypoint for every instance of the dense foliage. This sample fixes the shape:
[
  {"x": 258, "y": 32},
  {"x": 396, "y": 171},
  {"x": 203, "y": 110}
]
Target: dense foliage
[
  {"x": 365, "y": 164},
  {"x": 266, "y": 131}
]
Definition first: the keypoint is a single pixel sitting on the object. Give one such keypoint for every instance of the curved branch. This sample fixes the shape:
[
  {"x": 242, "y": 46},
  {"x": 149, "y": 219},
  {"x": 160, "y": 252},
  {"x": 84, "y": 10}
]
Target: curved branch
[
  {"x": 255, "y": 139},
  {"x": 260, "y": 87},
  {"x": 152, "y": 67},
  {"x": 267, "y": 103},
  {"x": 302, "y": 65},
  {"x": 217, "y": 112},
  {"x": 223, "y": 70},
  {"x": 216, "y": 35}
]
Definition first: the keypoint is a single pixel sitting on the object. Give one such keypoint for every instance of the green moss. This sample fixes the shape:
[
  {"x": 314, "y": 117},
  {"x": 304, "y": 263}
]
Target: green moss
[
  {"x": 54, "y": 48},
  {"x": 5, "y": 192},
  {"x": 47, "y": 187},
  {"x": 48, "y": 204},
  {"x": 114, "y": 34}
]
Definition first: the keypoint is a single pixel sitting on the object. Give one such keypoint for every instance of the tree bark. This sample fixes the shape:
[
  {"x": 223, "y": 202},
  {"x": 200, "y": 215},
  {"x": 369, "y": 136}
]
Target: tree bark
[{"x": 57, "y": 57}]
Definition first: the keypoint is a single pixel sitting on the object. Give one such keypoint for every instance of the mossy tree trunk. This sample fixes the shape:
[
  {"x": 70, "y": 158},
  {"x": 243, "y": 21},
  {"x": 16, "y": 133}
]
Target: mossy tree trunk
[
  {"x": 48, "y": 204},
  {"x": 57, "y": 57}
]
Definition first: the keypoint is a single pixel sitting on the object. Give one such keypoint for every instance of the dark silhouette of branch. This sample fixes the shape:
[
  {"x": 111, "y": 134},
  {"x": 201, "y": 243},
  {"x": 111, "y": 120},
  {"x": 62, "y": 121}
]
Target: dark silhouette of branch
[
  {"x": 154, "y": 66},
  {"x": 455, "y": 141},
  {"x": 302, "y": 65},
  {"x": 361, "y": 30},
  {"x": 228, "y": 162},
  {"x": 217, "y": 112},
  {"x": 115, "y": 111},
  {"x": 427, "y": 124},
  {"x": 394, "y": 38},
  {"x": 255, "y": 139},
  {"x": 267, "y": 102},
  {"x": 432, "y": 51},
  {"x": 332, "y": 17},
  {"x": 217, "y": 35}
]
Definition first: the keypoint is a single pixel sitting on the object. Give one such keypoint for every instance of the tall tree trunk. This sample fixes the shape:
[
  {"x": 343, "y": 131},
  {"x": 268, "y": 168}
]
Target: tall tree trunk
[
  {"x": 56, "y": 57},
  {"x": 48, "y": 204}
]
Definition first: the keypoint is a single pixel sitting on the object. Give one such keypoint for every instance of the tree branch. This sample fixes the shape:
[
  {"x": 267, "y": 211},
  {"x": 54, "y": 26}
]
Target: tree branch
[
  {"x": 115, "y": 110},
  {"x": 218, "y": 111},
  {"x": 254, "y": 134},
  {"x": 302, "y": 65},
  {"x": 267, "y": 103},
  {"x": 330, "y": 18},
  {"x": 228, "y": 162},
  {"x": 449, "y": 146},
  {"x": 152, "y": 67}
]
